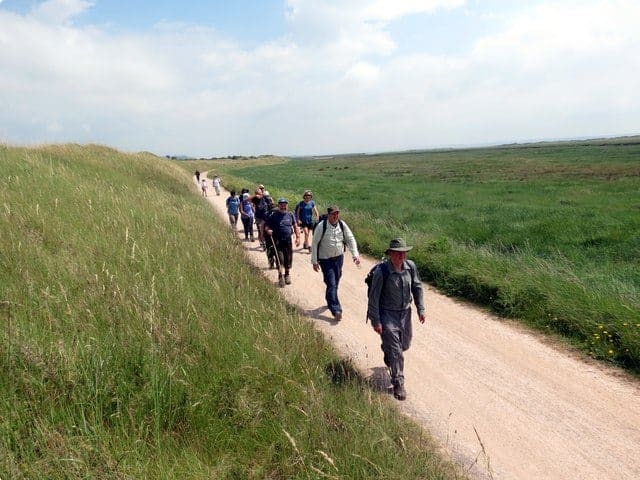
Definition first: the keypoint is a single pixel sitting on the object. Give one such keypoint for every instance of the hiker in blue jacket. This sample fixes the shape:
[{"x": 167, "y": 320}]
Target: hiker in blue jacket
[
  {"x": 393, "y": 284},
  {"x": 306, "y": 211},
  {"x": 281, "y": 225},
  {"x": 247, "y": 216},
  {"x": 233, "y": 209},
  {"x": 331, "y": 237}
]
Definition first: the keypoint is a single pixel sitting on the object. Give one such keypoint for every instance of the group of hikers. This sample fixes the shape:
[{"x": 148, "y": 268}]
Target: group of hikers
[
  {"x": 392, "y": 284},
  {"x": 215, "y": 183}
]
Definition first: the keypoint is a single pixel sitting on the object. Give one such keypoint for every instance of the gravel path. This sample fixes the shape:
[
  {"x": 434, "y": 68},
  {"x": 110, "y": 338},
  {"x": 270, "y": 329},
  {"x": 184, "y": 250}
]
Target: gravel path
[{"x": 503, "y": 402}]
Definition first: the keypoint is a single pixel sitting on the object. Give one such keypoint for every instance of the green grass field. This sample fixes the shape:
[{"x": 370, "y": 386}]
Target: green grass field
[
  {"x": 136, "y": 341},
  {"x": 545, "y": 233}
]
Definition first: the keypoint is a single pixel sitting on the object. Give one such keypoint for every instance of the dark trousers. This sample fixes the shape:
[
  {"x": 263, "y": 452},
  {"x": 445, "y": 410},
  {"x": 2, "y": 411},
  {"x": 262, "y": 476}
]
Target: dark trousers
[
  {"x": 331, "y": 273},
  {"x": 396, "y": 339},
  {"x": 285, "y": 247},
  {"x": 247, "y": 223}
]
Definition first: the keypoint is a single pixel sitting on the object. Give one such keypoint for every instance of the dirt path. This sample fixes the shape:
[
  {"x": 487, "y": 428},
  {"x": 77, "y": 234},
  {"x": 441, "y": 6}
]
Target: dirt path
[{"x": 501, "y": 402}]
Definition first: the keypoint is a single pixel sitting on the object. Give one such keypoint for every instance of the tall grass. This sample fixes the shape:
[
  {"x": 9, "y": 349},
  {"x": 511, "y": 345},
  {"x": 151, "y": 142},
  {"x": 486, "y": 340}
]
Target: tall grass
[
  {"x": 545, "y": 233},
  {"x": 136, "y": 342}
]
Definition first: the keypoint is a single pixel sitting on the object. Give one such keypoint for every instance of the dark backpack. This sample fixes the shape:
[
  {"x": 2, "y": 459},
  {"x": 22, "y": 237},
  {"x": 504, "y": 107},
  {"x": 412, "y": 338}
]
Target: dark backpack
[
  {"x": 262, "y": 208},
  {"x": 322, "y": 218}
]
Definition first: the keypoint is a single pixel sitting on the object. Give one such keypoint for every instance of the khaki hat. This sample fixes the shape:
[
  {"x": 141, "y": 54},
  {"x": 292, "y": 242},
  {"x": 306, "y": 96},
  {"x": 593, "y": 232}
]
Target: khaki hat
[
  {"x": 399, "y": 245},
  {"x": 333, "y": 208}
]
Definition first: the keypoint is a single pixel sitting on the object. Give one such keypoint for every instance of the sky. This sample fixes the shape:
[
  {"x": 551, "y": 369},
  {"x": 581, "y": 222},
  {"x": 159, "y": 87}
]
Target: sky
[{"x": 316, "y": 77}]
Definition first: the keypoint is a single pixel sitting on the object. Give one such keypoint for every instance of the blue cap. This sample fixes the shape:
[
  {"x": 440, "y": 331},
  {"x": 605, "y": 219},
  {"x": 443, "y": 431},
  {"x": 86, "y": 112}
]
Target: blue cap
[{"x": 283, "y": 200}]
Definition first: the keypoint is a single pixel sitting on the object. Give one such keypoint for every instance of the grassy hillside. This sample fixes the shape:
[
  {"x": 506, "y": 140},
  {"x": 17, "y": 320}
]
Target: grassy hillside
[
  {"x": 546, "y": 233},
  {"x": 137, "y": 343}
]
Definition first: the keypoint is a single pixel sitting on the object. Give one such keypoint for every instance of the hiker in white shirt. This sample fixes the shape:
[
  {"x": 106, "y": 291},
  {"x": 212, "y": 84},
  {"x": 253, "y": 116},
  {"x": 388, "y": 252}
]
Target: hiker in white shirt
[{"x": 330, "y": 240}]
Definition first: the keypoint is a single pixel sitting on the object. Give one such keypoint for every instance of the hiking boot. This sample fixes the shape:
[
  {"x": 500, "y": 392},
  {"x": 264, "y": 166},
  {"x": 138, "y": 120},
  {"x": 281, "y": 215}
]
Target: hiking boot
[
  {"x": 281, "y": 280},
  {"x": 287, "y": 279},
  {"x": 399, "y": 392},
  {"x": 272, "y": 263},
  {"x": 337, "y": 316}
]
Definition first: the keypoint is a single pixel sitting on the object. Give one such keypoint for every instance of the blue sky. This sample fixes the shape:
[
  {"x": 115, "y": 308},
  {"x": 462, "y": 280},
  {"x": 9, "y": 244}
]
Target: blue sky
[{"x": 301, "y": 77}]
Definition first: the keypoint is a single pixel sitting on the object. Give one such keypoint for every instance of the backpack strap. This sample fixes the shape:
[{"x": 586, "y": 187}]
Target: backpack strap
[
  {"x": 324, "y": 230},
  {"x": 386, "y": 271},
  {"x": 410, "y": 268}
]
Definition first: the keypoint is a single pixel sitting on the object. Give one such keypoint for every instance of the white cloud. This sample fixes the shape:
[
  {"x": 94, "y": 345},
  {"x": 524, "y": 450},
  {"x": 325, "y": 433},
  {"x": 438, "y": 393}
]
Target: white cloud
[
  {"x": 356, "y": 27},
  {"x": 60, "y": 11},
  {"x": 362, "y": 74},
  {"x": 556, "y": 31},
  {"x": 387, "y": 10},
  {"x": 336, "y": 82}
]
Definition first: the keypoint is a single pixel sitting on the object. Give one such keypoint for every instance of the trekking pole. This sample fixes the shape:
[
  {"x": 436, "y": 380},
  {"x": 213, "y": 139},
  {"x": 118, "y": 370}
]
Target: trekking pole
[{"x": 275, "y": 249}]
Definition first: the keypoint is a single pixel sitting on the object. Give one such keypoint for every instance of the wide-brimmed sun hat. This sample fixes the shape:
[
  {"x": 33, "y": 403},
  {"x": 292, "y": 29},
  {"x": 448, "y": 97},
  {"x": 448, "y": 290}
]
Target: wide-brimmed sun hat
[{"x": 399, "y": 245}]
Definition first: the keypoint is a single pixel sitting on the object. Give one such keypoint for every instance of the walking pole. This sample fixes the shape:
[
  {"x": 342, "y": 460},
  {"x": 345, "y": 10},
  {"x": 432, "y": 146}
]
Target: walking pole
[{"x": 280, "y": 275}]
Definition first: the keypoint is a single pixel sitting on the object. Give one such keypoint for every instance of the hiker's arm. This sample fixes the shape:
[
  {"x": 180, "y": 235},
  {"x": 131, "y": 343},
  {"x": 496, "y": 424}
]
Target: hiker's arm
[
  {"x": 417, "y": 292},
  {"x": 296, "y": 231},
  {"x": 315, "y": 254},
  {"x": 350, "y": 240},
  {"x": 373, "y": 306},
  {"x": 296, "y": 215}
]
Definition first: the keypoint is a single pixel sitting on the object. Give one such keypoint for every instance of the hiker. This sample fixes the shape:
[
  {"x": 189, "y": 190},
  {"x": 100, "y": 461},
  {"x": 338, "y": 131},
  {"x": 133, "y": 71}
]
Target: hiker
[
  {"x": 281, "y": 224},
  {"x": 331, "y": 237},
  {"x": 261, "y": 209},
  {"x": 393, "y": 283},
  {"x": 233, "y": 209},
  {"x": 216, "y": 184},
  {"x": 198, "y": 176},
  {"x": 306, "y": 211},
  {"x": 270, "y": 204},
  {"x": 203, "y": 186},
  {"x": 246, "y": 215},
  {"x": 270, "y": 245}
]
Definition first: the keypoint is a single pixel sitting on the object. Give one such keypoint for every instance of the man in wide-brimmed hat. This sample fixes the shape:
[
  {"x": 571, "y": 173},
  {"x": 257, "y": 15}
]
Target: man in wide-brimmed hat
[{"x": 393, "y": 284}]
